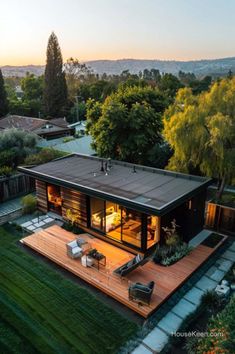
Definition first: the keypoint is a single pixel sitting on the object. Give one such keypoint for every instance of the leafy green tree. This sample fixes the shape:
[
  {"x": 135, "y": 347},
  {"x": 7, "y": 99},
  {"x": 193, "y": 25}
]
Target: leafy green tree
[
  {"x": 201, "y": 131},
  {"x": 32, "y": 87},
  {"x": 55, "y": 88},
  {"x": 15, "y": 145},
  {"x": 170, "y": 84},
  {"x": 3, "y": 97},
  {"x": 127, "y": 126}
]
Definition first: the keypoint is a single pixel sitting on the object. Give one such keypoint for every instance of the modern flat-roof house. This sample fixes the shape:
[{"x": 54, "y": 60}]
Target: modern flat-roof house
[{"x": 124, "y": 204}]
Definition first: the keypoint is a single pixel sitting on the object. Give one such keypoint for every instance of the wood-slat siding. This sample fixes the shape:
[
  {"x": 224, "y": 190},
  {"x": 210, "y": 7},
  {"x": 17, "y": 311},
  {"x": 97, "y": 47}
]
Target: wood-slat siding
[
  {"x": 210, "y": 215},
  {"x": 76, "y": 202},
  {"x": 41, "y": 193}
]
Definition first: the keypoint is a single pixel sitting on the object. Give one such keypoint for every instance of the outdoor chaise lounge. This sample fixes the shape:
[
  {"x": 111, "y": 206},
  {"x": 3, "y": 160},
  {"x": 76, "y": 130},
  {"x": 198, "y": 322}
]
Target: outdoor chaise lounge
[
  {"x": 129, "y": 266},
  {"x": 141, "y": 293}
]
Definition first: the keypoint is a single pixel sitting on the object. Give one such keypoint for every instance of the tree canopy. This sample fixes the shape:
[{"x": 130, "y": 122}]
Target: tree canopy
[
  {"x": 55, "y": 88},
  {"x": 127, "y": 126},
  {"x": 201, "y": 131},
  {"x": 3, "y": 97}
]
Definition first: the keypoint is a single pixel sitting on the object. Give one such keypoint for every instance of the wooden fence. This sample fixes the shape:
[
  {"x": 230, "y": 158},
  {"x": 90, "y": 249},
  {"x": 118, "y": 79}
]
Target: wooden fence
[{"x": 15, "y": 186}]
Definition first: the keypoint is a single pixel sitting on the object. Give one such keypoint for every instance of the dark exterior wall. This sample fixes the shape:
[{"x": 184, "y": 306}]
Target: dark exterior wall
[
  {"x": 189, "y": 216},
  {"x": 41, "y": 193},
  {"x": 76, "y": 202}
]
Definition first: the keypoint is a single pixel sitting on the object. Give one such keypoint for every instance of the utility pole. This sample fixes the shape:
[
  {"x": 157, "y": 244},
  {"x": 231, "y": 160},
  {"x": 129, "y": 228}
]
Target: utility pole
[{"x": 77, "y": 111}]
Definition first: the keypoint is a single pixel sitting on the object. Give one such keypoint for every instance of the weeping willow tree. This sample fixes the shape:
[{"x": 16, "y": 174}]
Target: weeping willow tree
[{"x": 201, "y": 131}]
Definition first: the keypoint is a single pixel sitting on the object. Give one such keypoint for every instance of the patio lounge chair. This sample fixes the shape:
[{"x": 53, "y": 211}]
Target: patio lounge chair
[
  {"x": 129, "y": 266},
  {"x": 73, "y": 250},
  {"x": 141, "y": 293}
]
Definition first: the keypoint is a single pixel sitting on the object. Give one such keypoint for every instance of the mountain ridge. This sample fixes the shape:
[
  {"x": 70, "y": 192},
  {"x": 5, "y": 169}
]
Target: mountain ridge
[{"x": 202, "y": 67}]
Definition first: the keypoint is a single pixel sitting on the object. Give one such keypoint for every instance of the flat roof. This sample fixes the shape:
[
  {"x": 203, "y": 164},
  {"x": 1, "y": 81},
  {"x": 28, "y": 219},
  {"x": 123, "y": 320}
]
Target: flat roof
[{"x": 143, "y": 188}]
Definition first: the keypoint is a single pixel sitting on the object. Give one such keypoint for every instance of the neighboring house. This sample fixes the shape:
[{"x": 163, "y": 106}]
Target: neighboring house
[
  {"x": 77, "y": 145},
  {"x": 122, "y": 203},
  {"x": 80, "y": 127},
  {"x": 19, "y": 92},
  {"x": 47, "y": 129}
]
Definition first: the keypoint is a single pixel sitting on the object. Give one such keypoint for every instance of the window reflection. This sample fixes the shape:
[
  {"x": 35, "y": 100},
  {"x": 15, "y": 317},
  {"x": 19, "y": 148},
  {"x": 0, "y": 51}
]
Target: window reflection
[
  {"x": 153, "y": 233},
  {"x": 131, "y": 228},
  {"x": 97, "y": 214}
]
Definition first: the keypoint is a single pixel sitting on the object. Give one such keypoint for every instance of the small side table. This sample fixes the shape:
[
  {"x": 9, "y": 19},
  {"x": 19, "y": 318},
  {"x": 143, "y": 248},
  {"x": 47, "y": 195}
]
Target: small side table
[{"x": 86, "y": 261}]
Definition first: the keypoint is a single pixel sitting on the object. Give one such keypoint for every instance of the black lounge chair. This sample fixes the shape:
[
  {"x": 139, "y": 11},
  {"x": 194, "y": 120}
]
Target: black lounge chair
[
  {"x": 129, "y": 266},
  {"x": 141, "y": 293}
]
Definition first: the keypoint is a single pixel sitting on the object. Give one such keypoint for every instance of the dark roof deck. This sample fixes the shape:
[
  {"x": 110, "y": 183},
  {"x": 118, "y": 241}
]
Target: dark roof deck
[{"x": 147, "y": 189}]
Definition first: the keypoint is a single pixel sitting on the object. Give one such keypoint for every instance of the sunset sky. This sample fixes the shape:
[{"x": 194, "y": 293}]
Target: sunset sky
[{"x": 115, "y": 29}]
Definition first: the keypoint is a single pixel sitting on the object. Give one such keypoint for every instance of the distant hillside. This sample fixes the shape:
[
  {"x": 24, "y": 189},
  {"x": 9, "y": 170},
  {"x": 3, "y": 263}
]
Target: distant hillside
[{"x": 213, "y": 67}]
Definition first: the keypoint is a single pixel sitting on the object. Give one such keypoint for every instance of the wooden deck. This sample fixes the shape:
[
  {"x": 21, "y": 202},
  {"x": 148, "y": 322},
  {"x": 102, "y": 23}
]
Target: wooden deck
[{"x": 52, "y": 244}]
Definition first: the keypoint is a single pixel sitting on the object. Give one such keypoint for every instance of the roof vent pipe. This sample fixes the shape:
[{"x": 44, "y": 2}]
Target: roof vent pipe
[
  {"x": 134, "y": 169},
  {"x": 109, "y": 163},
  {"x": 102, "y": 166}
]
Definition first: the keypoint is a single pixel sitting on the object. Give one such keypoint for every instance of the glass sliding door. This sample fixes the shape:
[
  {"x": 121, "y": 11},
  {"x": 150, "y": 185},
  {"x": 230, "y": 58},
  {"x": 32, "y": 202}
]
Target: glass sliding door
[
  {"x": 131, "y": 227},
  {"x": 113, "y": 220},
  {"x": 153, "y": 230},
  {"x": 97, "y": 214}
]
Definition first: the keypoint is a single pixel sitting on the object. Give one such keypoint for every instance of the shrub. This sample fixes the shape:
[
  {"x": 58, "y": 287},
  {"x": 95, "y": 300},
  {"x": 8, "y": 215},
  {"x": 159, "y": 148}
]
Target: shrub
[
  {"x": 6, "y": 171},
  {"x": 191, "y": 345},
  {"x": 212, "y": 301},
  {"x": 43, "y": 156},
  {"x": 172, "y": 240},
  {"x": 72, "y": 228},
  {"x": 166, "y": 255},
  {"x": 29, "y": 204}
]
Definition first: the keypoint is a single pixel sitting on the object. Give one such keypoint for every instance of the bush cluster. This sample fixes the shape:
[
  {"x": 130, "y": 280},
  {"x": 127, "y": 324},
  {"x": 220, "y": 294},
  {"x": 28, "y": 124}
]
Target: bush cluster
[
  {"x": 43, "y": 156},
  {"x": 166, "y": 255}
]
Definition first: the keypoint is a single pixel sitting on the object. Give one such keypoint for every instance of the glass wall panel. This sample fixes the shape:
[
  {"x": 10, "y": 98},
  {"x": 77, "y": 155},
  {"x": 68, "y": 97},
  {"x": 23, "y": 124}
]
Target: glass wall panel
[
  {"x": 97, "y": 214},
  {"x": 153, "y": 230},
  {"x": 131, "y": 227},
  {"x": 113, "y": 220}
]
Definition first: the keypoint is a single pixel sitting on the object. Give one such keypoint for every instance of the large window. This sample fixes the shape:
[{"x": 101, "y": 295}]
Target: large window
[
  {"x": 97, "y": 214},
  {"x": 54, "y": 198},
  {"x": 113, "y": 220},
  {"x": 153, "y": 230},
  {"x": 131, "y": 227},
  {"x": 117, "y": 222}
]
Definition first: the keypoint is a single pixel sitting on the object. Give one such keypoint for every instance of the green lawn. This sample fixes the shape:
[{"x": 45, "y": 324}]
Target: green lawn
[{"x": 43, "y": 312}]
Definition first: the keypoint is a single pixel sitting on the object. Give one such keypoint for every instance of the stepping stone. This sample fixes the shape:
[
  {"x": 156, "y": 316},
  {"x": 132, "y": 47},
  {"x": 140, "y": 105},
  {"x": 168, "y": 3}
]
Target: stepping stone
[
  {"x": 156, "y": 340},
  {"x": 47, "y": 220},
  {"x": 217, "y": 275},
  {"x": 141, "y": 349},
  {"x": 194, "y": 295},
  {"x": 224, "y": 264},
  {"x": 183, "y": 308},
  {"x": 34, "y": 220},
  {"x": 26, "y": 224},
  {"x": 232, "y": 247},
  {"x": 42, "y": 217},
  {"x": 229, "y": 255},
  {"x": 39, "y": 224},
  {"x": 31, "y": 228},
  {"x": 170, "y": 323},
  {"x": 206, "y": 283}
]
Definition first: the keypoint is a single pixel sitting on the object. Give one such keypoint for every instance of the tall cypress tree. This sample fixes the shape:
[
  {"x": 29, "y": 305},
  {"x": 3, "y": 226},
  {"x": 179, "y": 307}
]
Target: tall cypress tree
[
  {"x": 3, "y": 97},
  {"x": 55, "y": 88}
]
